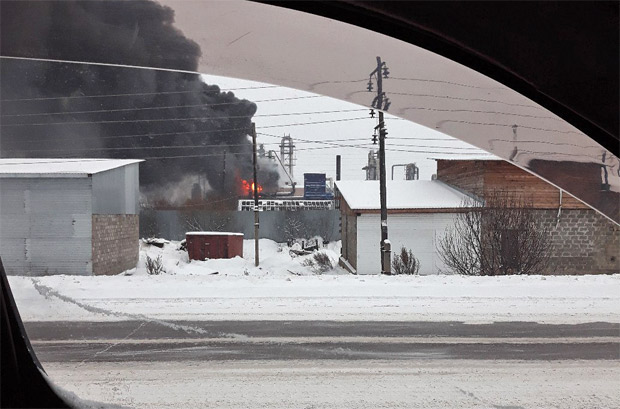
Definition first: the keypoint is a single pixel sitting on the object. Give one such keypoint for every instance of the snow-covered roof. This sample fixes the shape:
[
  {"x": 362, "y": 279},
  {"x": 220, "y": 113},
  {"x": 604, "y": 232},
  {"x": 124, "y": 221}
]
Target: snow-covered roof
[
  {"x": 41, "y": 167},
  {"x": 401, "y": 194},
  {"x": 466, "y": 156}
]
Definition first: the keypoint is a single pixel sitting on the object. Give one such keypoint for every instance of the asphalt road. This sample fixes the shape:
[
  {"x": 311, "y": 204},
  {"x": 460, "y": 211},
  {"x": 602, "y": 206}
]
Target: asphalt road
[
  {"x": 333, "y": 365},
  {"x": 158, "y": 341}
]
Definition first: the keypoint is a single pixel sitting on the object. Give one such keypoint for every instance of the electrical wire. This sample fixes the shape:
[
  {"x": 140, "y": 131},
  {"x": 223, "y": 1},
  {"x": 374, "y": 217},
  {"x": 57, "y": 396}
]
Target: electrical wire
[
  {"x": 353, "y": 146},
  {"x": 136, "y": 94},
  {"x": 183, "y": 119},
  {"x": 154, "y": 108},
  {"x": 332, "y": 145}
]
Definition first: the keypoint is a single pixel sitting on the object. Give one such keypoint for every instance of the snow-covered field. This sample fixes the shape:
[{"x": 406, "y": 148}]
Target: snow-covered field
[{"x": 283, "y": 288}]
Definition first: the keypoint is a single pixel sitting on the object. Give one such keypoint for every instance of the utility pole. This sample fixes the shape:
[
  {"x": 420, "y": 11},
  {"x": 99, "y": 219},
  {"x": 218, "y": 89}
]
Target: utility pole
[
  {"x": 255, "y": 187},
  {"x": 382, "y": 103}
]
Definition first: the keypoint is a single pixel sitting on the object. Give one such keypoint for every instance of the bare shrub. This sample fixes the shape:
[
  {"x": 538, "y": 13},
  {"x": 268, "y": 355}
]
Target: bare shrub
[
  {"x": 154, "y": 267},
  {"x": 208, "y": 221},
  {"x": 293, "y": 225},
  {"x": 323, "y": 262},
  {"x": 405, "y": 262},
  {"x": 319, "y": 263},
  {"x": 503, "y": 236}
]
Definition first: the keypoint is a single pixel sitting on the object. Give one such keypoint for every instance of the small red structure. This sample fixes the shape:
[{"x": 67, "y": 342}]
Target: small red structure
[{"x": 202, "y": 245}]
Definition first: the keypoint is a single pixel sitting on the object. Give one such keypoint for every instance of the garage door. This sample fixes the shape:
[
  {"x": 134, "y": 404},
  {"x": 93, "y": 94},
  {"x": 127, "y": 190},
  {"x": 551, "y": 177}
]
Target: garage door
[{"x": 418, "y": 232}]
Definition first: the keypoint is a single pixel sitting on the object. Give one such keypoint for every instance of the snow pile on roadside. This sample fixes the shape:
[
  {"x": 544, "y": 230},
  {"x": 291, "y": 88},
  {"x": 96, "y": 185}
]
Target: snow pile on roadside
[
  {"x": 285, "y": 287},
  {"x": 275, "y": 259},
  {"x": 544, "y": 299}
]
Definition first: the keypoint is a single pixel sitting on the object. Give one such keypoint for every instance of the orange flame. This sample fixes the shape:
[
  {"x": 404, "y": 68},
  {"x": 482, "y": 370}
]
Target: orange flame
[{"x": 248, "y": 188}]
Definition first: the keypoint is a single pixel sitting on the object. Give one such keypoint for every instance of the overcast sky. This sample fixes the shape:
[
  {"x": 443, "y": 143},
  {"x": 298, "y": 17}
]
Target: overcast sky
[{"x": 318, "y": 144}]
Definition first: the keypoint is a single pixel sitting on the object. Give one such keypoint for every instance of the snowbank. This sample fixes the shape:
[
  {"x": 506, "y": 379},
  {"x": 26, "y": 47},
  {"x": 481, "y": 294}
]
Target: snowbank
[
  {"x": 283, "y": 288},
  {"x": 275, "y": 260}
]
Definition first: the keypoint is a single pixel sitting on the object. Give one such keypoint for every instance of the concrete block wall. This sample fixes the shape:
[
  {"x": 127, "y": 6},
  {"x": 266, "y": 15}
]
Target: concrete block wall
[
  {"x": 583, "y": 242},
  {"x": 115, "y": 243}
]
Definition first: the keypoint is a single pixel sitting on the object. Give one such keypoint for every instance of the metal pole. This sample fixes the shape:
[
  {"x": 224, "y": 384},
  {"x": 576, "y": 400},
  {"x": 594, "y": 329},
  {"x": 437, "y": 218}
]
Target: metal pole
[
  {"x": 255, "y": 185},
  {"x": 338, "y": 163}
]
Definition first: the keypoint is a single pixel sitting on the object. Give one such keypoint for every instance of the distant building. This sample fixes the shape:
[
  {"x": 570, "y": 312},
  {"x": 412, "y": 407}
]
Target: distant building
[
  {"x": 583, "y": 240},
  {"x": 68, "y": 216},
  {"x": 419, "y": 212}
]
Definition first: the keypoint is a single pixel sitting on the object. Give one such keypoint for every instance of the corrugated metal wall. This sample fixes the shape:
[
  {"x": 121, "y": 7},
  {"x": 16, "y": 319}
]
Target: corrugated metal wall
[
  {"x": 45, "y": 225},
  {"x": 116, "y": 191},
  {"x": 418, "y": 232}
]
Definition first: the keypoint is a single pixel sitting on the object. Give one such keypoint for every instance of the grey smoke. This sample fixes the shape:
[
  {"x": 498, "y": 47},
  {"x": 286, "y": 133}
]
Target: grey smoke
[{"x": 129, "y": 126}]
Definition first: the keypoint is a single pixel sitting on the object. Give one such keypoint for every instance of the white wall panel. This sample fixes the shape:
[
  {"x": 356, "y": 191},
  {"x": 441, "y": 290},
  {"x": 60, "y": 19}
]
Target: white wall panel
[
  {"x": 419, "y": 232},
  {"x": 116, "y": 191},
  {"x": 45, "y": 225}
]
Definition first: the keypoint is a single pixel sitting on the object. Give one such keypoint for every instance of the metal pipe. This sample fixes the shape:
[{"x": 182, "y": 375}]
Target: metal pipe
[{"x": 398, "y": 164}]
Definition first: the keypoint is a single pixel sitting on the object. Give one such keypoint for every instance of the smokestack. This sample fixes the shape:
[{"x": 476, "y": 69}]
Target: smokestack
[
  {"x": 182, "y": 126},
  {"x": 337, "y": 167}
]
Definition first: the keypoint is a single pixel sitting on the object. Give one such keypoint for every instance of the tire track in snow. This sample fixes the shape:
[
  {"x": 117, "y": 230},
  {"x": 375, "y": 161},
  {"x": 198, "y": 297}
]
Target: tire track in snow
[{"x": 49, "y": 292}]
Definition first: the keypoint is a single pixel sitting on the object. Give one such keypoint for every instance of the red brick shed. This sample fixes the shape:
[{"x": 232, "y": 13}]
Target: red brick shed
[{"x": 202, "y": 245}]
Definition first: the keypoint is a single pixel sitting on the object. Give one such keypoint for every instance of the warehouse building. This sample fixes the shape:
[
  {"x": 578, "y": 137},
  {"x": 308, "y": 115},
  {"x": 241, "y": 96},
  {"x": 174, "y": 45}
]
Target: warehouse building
[
  {"x": 419, "y": 212},
  {"x": 68, "y": 216},
  {"x": 583, "y": 241}
]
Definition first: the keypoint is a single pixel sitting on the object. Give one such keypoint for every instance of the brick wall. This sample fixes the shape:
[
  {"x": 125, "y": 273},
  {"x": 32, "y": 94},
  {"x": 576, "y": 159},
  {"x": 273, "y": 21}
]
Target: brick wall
[
  {"x": 583, "y": 242},
  {"x": 115, "y": 243}
]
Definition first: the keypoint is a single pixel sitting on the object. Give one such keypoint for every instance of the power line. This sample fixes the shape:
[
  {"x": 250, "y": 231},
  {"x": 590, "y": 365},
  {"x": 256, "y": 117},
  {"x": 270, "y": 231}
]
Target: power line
[
  {"x": 154, "y": 108},
  {"x": 208, "y": 132},
  {"x": 193, "y": 132},
  {"x": 136, "y": 94},
  {"x": 150, "y": 136},
  {"x": 219, "y": 155},
  {"x": 211, "y": 146},
  {"x": 315, "y": 122},
  {"x": 331, "y": 144},
  {"x": 184, "y": 119}
]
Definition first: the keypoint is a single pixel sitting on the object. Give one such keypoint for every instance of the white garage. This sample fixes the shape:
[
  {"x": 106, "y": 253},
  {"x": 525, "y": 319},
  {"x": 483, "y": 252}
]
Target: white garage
[{"x": 419, "y": 212}]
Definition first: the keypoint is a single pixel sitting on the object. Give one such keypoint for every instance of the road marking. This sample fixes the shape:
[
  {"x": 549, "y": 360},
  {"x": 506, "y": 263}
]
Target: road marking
[{"x": 337, "y": 340}]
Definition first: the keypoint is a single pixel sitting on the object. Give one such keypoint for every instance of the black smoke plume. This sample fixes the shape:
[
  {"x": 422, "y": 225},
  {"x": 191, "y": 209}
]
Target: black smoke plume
[{"x": 185, "y": 128}]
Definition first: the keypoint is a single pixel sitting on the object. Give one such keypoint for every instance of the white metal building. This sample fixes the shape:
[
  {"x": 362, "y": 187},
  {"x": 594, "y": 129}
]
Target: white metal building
[
  {"x": 68, "y": 216},
  {"x": 419, "y": 212}
]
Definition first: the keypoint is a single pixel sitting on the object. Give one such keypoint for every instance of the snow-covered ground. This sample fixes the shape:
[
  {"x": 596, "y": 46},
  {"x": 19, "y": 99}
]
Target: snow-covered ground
[
  {"x": 284, "y": 287},
  {"x": 328, "y": 384}
]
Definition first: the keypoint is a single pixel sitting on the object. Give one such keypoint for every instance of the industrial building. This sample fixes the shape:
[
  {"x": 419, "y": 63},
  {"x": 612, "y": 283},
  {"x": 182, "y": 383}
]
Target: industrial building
[
  {"x": 419, "y": 212},
  {"x": 68, "y": 216},
  {"x": 583, "y": 241}
]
